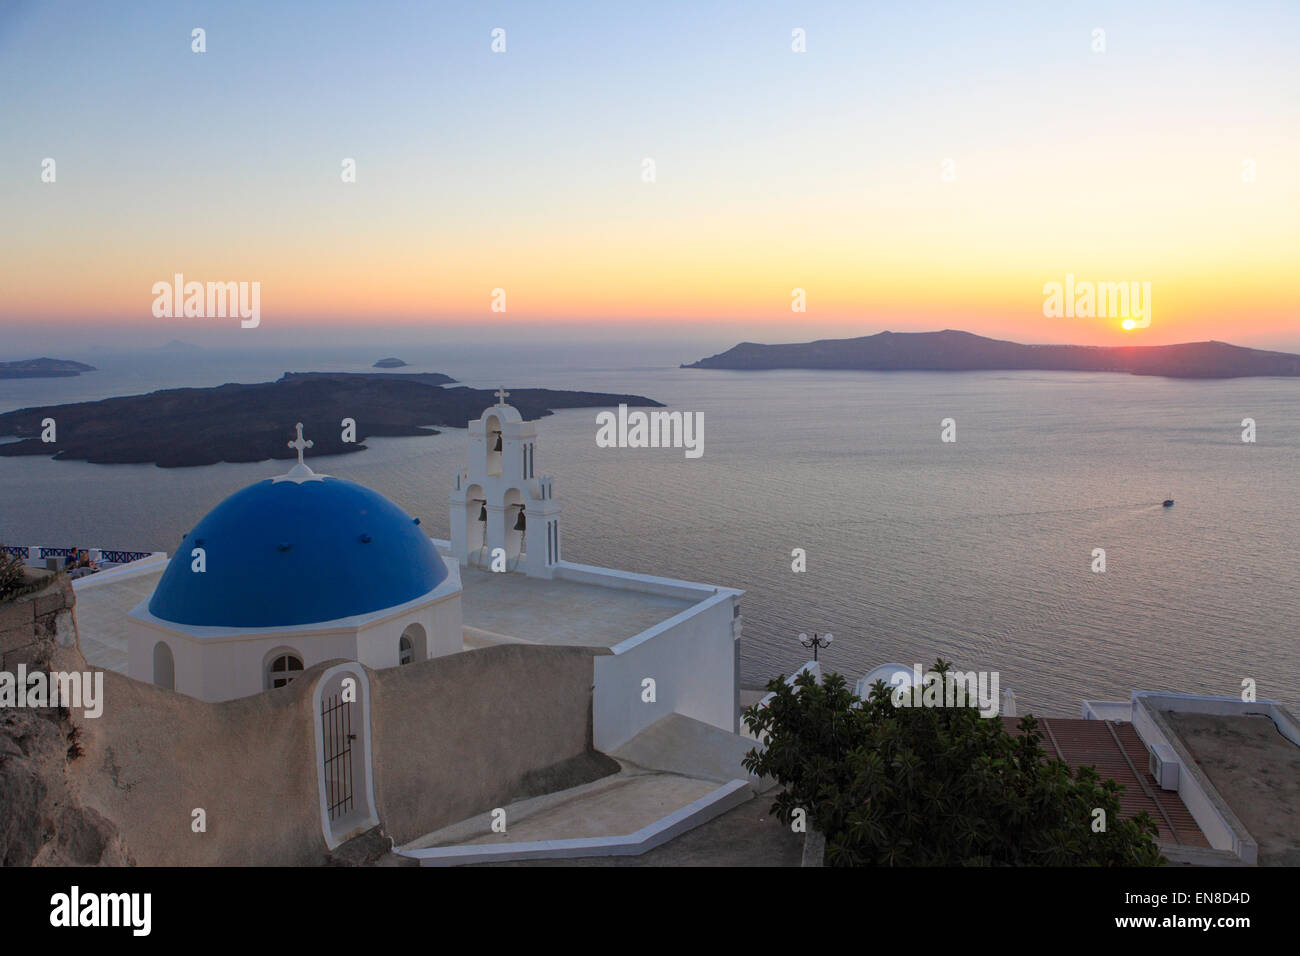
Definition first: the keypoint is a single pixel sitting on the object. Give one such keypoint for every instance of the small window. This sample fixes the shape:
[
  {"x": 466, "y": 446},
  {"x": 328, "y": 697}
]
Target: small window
[
  {"x": 283, "y": 670},
  {"x": 405, "y": 652}
]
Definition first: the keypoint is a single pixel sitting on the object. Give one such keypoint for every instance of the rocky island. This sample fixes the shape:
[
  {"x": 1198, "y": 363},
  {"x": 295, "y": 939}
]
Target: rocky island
[
  {"x": 181, "y": 427},
  {"x": 389, "y": 363},
  {"x": 43, "y": 368},
  {"x": 953, "y": 351}
]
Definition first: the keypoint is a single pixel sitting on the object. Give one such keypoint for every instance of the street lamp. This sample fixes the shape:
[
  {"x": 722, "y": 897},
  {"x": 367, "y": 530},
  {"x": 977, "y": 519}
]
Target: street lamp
[{"x": 816, "y": 642}]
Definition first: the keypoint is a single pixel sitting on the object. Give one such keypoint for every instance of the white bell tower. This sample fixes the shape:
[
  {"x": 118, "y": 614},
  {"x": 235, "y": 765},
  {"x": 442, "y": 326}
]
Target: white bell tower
[{"x": 500, "y": 503}]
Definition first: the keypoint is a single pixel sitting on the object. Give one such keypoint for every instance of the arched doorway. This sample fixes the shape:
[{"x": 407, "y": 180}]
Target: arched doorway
[
  {"x": 343, "y": 751},
  {"x": 164, "y": 666}
]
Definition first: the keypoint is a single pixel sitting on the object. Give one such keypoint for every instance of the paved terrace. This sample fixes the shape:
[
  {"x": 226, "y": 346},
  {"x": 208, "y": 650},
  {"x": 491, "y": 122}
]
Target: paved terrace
[
  {"x": 102, "y": 606},
  {"x": 537, "y": 611},
  {"x": 496, "y": 608}
]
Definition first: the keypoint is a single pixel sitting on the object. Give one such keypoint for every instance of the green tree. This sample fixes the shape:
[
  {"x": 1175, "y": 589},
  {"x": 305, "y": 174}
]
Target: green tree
[{"x": 933, "y": 786}]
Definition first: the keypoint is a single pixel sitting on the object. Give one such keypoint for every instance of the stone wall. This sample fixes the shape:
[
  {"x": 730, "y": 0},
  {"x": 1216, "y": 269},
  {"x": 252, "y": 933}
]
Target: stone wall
[
  {"x": 42, "y": 818},
  {"x": 156, "y": 756},
  {"x": 34, "y": 625},
  {"x": 452, "y": 737},
  {"x": 460, "y": 735}
]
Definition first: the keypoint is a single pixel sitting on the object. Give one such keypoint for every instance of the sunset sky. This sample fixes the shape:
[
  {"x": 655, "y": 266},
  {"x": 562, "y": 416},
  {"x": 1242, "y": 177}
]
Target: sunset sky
[{"x": 775, "y": 170}]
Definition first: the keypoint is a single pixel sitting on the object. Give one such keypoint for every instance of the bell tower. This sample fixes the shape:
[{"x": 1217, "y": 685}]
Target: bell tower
[{"x": 502, "y": 513}]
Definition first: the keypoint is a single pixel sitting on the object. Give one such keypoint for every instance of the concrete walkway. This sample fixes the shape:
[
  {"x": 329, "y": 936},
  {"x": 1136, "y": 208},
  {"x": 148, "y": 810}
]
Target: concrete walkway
[{"x": 671, "y": 764}]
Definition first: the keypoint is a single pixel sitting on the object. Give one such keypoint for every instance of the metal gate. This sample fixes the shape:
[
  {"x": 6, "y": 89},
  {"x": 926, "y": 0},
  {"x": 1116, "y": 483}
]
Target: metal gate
[{"x": 336, "y": 729}]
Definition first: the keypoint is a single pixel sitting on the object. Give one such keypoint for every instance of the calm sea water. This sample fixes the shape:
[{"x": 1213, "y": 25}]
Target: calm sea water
[{"x": 977, "y": 551}]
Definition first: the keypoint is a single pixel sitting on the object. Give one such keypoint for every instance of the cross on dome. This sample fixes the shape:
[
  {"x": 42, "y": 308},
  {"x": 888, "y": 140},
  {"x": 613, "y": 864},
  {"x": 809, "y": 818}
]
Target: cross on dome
[
  {"x": 299, "y": 444},
  {"x": 501, "y": 394},
  {"x": 299, "y": 472}
]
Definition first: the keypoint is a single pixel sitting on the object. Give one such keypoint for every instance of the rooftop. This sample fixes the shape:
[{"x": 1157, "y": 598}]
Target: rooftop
[
  {"x": 1117, "y": 751},
  {"x": 537, "y": 611},
  {"x": 1256, "y": 770},
  {"x": 496, "y": 608}
]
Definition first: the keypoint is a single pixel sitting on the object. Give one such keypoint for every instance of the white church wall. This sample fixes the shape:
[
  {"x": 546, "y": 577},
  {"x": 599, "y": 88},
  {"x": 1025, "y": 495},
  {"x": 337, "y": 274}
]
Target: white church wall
[
  {"x": 379, "y": 643},
  {"x": 213, "y": 663},
  {"x": 445, "y": 635},
  {"x": 224, "y": 668},
  {"x": 645, "y": 583},
  {"x": 238, "y": 668},
  {"x": 692, "y": 659}
]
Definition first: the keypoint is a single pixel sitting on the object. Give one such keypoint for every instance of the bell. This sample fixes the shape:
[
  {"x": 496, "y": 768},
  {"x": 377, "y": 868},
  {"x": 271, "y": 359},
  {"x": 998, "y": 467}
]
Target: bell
[
  {"x": 519, "y": 522},
  {"x": 482, "y": 513},
  {"x": 497, "y": 446}
]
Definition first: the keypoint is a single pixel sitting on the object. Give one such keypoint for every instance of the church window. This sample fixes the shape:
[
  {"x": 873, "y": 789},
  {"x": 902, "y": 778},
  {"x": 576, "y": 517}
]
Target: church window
[
  {"x": 283, "y": 670},
  {"x": 405, "y": 652}
]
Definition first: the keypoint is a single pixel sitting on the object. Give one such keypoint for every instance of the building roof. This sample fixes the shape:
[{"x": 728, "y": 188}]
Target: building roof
[
  {"x": 1255, "y": 769},
  {"x": 1117, "y": 751},
  {"x": 515, "y": 607},
  {"x": 298, "y": 550}
]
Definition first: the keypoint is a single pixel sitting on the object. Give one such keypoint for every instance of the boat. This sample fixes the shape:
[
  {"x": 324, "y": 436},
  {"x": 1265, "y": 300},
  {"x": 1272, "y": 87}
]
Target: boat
[{"x": 1169, "y": 502}]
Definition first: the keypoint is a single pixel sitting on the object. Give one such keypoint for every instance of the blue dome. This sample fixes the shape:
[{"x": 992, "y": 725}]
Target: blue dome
[{"x": 280, "y": 553}]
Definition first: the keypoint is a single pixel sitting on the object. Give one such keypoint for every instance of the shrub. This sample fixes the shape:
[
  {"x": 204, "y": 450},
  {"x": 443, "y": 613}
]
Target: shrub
[{"x": 933, "y": 786}]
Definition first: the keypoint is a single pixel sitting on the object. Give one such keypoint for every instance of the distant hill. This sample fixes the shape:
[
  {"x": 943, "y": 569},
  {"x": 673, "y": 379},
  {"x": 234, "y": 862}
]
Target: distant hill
[
  {"x": 179, "y": 427},
  {"x": 176, "y": 345},
  {"x": 953, "y": 351},
  {"x": 389, "y": 363},
  {"x": 43, "y": 368}
]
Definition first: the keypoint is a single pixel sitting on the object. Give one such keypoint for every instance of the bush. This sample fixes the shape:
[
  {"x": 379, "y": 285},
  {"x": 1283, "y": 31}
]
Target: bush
[
  {"x": 13, "y": 571},
  {"x": 933, "y": 786}
]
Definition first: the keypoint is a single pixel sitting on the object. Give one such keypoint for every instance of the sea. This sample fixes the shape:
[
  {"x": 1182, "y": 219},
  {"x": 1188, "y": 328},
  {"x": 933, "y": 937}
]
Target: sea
[{"x": 981, "y": 551}]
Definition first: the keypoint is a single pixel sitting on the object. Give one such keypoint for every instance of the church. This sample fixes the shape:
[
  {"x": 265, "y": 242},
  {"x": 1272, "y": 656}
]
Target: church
[
  {"x": 383, "y": 678},
  {"x": 289, "y": 572}
]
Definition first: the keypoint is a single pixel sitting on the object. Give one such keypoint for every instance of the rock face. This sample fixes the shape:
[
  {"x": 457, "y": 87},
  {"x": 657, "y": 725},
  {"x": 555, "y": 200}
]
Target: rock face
[{"x": 42, "y": 821}]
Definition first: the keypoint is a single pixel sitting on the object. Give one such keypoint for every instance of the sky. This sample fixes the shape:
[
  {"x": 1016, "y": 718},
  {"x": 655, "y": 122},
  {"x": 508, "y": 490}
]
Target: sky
[{"x": 920, "y": 166}]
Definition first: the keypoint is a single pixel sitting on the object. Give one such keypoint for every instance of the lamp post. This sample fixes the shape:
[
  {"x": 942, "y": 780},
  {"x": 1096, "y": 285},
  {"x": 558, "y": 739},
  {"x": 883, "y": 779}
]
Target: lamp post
[{"x": 816, "y": 642}]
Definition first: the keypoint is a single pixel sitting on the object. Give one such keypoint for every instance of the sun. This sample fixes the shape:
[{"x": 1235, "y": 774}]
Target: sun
[{"x": 1129, "y": 325}]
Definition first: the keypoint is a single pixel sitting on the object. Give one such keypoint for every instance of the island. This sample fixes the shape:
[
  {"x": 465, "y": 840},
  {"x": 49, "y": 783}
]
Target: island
[
  {"x": 955, "y": 351},
  {"x": 389, "y": 363},
  {"x": 183, "y": 427},
  {"x": 43, "y": 368}
]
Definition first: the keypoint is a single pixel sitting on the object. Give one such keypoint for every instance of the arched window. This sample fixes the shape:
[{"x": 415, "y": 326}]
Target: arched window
[
  {"x": 282, "y": 669},
  {"x": 164, "y": 667},
  {"x": 413, "y": 645}
]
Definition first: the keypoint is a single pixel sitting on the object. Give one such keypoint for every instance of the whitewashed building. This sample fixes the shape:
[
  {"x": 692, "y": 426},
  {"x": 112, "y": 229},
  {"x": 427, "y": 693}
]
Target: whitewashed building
[{"x": 285, "y": 574}]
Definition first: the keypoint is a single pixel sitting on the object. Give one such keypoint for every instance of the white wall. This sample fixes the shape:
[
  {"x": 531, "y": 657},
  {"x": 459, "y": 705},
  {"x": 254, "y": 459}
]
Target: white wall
[
  {"x": 224, "y": 663},
  {"x": 379, "y": 643},
  {"x": 692, "y": 659}
]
